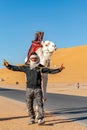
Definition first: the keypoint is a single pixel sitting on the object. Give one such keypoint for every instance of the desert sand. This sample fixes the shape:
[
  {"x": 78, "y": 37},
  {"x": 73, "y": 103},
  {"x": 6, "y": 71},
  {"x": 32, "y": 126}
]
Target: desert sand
[{"x": 13, "y": 114}]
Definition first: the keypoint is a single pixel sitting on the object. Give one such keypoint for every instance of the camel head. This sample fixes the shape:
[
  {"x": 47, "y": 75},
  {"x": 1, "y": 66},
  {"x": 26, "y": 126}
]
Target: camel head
[{"x": 48, "y": 47}]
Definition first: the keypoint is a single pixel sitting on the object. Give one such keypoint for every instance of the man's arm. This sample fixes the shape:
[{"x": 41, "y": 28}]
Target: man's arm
[
  {"x": 53, "y": 71},
  {"x": 13, "y": 67}
]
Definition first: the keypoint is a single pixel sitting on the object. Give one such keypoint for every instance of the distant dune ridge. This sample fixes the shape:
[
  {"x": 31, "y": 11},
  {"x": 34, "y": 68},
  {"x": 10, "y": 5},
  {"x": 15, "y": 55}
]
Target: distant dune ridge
[{"x": 74, "y": 60}]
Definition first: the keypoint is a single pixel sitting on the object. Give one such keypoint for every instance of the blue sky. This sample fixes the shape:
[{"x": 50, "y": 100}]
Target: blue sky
[{"x": 63, "y": 21}]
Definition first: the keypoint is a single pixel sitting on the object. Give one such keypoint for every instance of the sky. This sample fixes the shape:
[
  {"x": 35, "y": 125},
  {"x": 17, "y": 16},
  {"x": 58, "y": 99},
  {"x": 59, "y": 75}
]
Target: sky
[{"x": 63, "y": 21}]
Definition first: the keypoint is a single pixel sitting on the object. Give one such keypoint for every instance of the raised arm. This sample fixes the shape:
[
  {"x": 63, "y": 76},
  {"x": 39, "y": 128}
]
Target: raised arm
[
  {"x": 53, "y": 71},
  {"x": 13, "y": 67}
]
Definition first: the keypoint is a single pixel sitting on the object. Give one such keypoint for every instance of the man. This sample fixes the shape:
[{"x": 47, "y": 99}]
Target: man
[{"x": 33, "y": 90}]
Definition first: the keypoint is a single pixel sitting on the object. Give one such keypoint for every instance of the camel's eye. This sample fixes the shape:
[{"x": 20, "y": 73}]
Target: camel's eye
[{"x": 46, "y": 45}]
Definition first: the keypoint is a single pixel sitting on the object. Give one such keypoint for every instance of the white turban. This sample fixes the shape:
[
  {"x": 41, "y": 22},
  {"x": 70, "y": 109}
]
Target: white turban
[{"x": 32, "y": 63}]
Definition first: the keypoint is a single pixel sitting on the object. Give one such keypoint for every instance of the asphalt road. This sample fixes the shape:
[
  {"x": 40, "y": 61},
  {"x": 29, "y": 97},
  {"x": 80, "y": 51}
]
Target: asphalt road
[{"x": 73, "y": 108}]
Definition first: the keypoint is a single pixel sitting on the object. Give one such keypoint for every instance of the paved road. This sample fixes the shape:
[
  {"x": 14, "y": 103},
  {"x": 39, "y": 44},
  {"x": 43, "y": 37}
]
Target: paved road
[{"x": 73, "y": 108}]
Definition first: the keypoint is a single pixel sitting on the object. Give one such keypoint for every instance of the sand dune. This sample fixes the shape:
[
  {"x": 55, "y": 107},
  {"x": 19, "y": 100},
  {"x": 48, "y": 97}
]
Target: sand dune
[{"x": 74, "y": 60}]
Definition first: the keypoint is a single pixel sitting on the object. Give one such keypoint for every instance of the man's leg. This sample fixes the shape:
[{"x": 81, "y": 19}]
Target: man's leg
[
  {"x": 38, "y": 95},
  {"x": 29, "y": 100}
]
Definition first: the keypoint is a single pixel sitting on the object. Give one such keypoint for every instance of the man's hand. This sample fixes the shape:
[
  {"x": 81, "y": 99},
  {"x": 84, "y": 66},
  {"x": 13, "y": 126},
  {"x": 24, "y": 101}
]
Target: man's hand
[
  {"x": 61, "y": 67},
  {"x": 5, "y": 63},
  {"x": 44, "y": 99}
]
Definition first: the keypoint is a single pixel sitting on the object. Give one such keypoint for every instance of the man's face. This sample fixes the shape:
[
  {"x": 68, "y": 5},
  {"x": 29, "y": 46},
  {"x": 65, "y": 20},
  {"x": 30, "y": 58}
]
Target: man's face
[{"x": 34, "y": 59}]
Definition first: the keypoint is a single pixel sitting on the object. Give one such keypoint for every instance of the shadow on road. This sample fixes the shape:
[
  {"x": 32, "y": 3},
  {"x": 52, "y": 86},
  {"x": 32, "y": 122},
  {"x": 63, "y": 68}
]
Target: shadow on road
[
  {"x": 70, "y": 110},
  {"x": 12, "y": 118}
]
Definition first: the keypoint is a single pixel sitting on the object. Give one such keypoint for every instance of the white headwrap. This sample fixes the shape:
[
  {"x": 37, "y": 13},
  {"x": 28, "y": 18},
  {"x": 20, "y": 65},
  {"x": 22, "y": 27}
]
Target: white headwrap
[{"x": 36, "y": 63}]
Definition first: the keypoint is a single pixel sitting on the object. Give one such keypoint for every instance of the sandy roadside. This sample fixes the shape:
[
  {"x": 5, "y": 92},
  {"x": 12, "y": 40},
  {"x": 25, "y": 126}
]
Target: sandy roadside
[{"x": 13, "y": 114}]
